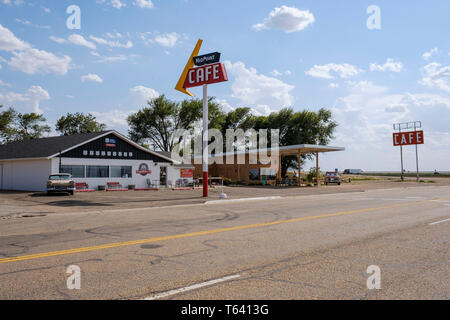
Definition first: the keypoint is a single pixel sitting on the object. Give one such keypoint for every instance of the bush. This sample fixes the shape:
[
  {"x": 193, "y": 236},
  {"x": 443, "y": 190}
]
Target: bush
[{"x": 311, "y": 176}]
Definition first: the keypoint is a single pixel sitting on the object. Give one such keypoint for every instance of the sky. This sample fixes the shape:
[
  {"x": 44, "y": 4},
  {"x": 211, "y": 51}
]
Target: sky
[{"x": 373, "y": 63}]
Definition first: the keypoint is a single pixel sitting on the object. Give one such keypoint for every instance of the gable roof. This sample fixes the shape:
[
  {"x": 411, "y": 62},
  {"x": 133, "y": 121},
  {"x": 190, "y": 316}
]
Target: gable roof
[{"x": 47, "y": 148}]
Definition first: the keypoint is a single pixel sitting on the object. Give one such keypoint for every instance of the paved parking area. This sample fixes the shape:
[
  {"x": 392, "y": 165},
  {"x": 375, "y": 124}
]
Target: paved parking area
[{"x": 26, "y": 204}]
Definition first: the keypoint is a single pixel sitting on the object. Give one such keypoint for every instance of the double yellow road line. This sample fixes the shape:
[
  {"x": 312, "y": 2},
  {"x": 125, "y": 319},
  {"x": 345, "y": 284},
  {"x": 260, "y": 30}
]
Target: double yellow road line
[{"x": 204, "y": 233}]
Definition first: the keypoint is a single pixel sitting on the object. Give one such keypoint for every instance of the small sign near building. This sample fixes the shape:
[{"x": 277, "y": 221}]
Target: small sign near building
[
  {"x": 186, "y": 173},
  {"x": 143, "y": 169}
]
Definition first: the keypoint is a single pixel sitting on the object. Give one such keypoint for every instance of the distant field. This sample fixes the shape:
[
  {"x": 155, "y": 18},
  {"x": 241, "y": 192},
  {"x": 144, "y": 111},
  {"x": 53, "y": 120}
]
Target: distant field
[{"x": 442, "y": 174}]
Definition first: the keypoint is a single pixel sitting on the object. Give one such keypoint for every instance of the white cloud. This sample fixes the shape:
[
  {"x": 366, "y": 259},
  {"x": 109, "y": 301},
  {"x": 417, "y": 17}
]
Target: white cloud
[
  {"x": 141, "y": 95},
  {"x": 30, "y": 60},
  {"x": 25, "y": 102},
  {"x": 12, "y": 2},
  {"x": 9, "y": 42},
  {"x": 390, "y": 65},
  {"x": 117, "y": 4},
  {"x": 436, "y": 77},
  {"x": 276, "y": 73},
  {"x": 81, "y": 41},
  {"x": 168, "y": 39},
  {"x": 427, "y": 55},
  {"x": 33, "y": 61},
  {"x": 342, "y": 70},
  {"x": 365, "y": 117},
  {"x": 115, "y": 119},
  {"x": 58, "y": 40},
  {"x": 144, "y": 4},
  {"x": 287, "y": 19},
  {"x": 334, "y": 85},
  {"x": 91, "y": 78},
  {"x": 112, "y": 44},
  {"x": 252, "y": 88}
]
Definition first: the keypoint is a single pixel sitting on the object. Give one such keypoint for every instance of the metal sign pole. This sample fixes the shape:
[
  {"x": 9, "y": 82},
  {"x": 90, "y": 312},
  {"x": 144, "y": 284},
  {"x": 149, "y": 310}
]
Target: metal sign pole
[
  {"x": 401, "y": 155},
  {"x": 417, "y": 157},
  {"x": 205, "y": 141}
]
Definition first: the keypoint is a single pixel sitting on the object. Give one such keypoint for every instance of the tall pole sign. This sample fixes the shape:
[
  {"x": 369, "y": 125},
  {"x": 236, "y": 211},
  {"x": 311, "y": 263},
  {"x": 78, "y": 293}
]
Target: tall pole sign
[
  {"x": 402, "y": 138},
  {"x": 209, "y": 70}
]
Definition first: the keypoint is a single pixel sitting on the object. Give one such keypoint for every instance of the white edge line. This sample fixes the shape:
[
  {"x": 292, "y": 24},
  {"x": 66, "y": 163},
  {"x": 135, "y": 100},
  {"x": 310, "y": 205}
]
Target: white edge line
[
  {"x": 241, "y": 200},
  {"x": 190, "y": 288},
  {"x": 437, "y": 222}
]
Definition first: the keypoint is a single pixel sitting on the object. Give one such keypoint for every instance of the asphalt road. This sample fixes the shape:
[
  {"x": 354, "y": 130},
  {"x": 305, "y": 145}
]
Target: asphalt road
[{"x": 307, "y": 247}]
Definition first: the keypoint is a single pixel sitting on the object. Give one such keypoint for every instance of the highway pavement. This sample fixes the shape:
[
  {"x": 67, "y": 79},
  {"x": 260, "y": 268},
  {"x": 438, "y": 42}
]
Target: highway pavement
[{"x": 296, "y": 247}]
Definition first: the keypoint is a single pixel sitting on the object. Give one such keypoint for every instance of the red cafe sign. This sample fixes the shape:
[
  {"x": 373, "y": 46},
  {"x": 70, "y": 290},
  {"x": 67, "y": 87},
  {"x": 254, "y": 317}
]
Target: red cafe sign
[
  {"x": 207, "y": 74},
  {"x": 408, "y": 138}
]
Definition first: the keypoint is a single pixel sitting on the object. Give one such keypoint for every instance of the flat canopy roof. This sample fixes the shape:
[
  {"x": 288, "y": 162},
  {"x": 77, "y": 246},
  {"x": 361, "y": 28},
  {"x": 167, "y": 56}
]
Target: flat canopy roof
[
  {"x": 307, "y": 148},
  {"x": 287, "y": 150}
]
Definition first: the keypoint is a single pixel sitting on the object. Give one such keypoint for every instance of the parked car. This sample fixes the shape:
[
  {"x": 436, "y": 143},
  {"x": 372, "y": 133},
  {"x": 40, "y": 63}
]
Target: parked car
[
  {"x": 61, "y": 182},
  {"x": 333, "y": 177},
  {"x": 353, "y": 171}
]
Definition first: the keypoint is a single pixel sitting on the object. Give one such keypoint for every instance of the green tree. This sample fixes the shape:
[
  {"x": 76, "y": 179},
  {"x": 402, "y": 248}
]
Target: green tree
[
  {"x": 157, "y": 122},
  {"x": 78, "y": 123},
  {"x": 31, "y": 126},
  {"x": 303, "y": 127},
  {"x": 7, "y": 121}
]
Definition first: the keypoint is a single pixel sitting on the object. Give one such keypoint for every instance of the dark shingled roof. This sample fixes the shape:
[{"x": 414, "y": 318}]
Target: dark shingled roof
[{"x": 44, "y": 147}]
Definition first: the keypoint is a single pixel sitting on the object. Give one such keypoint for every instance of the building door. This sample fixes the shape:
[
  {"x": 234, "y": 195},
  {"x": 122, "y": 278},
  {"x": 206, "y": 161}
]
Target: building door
[{"x": 163, "y": 176}]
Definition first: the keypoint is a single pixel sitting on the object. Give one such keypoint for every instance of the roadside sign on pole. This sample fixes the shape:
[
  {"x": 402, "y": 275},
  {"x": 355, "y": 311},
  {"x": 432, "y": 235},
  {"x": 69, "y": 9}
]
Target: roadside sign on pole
[
  {"x": 209, "y": 71},
  {"x": 408, "y": 138}
]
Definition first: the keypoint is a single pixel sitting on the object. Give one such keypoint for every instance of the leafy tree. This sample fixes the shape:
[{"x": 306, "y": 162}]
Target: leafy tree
[
  {"x": 29, "y": 126},
  {"x": 7, "y": 120},
  {"x": 303, "y": 127},
  {"x": 157, "y": 122},
  {"x": 78, "y": 123}
]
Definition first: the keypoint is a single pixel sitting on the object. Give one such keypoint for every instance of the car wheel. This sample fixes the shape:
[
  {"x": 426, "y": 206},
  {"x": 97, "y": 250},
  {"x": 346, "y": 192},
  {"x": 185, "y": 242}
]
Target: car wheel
[{"x": 339, "y": 184}]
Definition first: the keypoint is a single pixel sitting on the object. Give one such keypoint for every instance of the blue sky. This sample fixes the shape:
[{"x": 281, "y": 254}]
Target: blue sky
[{"x": 300, "y": 54}]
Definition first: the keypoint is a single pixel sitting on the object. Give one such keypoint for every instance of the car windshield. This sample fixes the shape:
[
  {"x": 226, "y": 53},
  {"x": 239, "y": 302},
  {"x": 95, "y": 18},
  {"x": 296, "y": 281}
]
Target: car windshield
[
  {"x": 331, "y": 174},
  {"x": 59, "y": 177}
]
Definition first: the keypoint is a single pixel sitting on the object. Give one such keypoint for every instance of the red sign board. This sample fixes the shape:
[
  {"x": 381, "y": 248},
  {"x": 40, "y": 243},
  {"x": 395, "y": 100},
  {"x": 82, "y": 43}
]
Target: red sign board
[
  {"x": 408, "y": 138},
  {"x": 207, "y": 74},
  {"x": 187, "y": 173}
]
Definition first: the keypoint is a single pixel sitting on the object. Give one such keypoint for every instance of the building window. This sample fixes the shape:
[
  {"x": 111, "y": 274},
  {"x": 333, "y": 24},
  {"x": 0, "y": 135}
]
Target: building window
[
  {"x": 121, "y": 172},
  {"x": 85, "y": 152},
  {"x": 103, "y": 153},
  {"x": 120, "y": 154},
  {"x": 97, "y": 172},
  {"x": 125, "y": 154},
  {"x": 130, "y": 154},
  {"x": 91, "y": 153},
  {"x": 254, "y": 174},
  {"x": 75, "y": 171},
  {"x": 114, "y": 154},
  {"x": 109, "y": 153},
  {"x": 97, "y": 153}
]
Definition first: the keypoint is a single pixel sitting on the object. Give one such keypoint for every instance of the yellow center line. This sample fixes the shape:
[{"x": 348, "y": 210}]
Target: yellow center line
[{"x": 206, "y": 232}]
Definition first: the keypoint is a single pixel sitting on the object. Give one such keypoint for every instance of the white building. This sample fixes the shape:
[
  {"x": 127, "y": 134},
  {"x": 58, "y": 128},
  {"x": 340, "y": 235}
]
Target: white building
[{"x": 93, "y": 158}]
